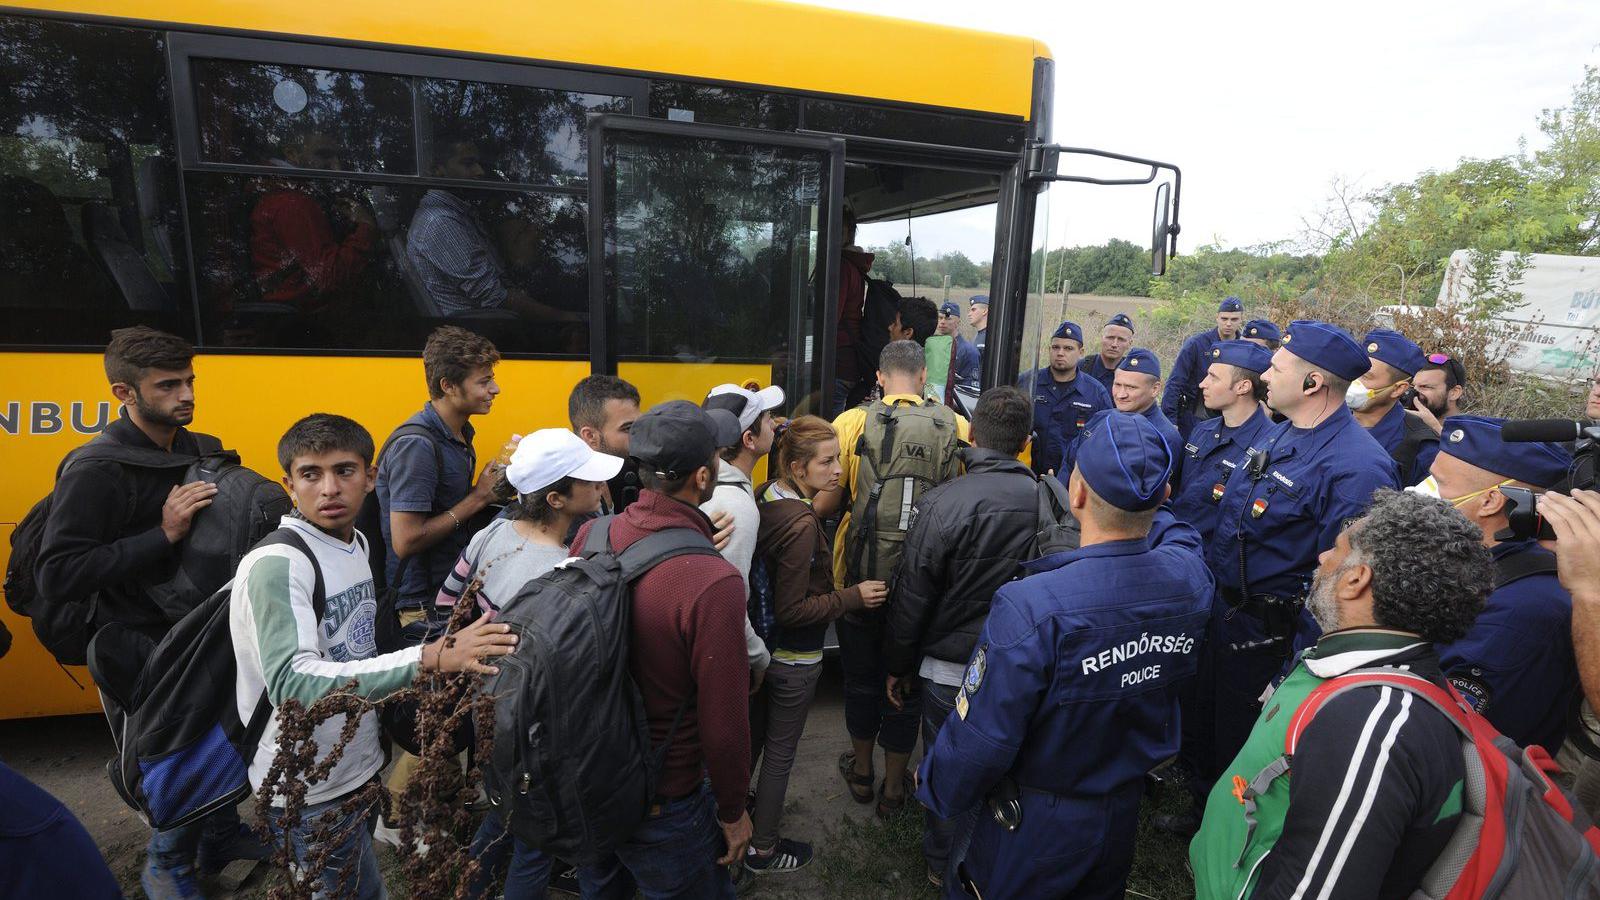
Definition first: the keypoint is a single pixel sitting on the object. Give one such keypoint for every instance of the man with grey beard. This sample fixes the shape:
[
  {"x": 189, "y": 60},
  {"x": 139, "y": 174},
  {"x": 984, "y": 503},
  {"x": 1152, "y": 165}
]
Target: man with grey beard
[{"x": 1382, "y": 607}]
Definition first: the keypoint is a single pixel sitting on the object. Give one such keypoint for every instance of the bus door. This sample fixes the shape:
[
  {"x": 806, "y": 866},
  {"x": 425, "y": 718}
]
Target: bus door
[{"x": 711, "y": 250}]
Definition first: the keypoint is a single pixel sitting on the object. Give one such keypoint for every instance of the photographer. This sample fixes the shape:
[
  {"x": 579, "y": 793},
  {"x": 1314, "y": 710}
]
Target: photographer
[
  {"x": 1576, "y": 522},
  {"x": 1515, "y": 666}
]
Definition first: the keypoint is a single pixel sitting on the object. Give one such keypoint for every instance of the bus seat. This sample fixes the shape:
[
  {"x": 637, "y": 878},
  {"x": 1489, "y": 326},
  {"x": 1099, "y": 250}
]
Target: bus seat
[
  {"x": 155, "y": 207},
  {"x": 109, "y": 245},
  {"x": 386, "y": 210}
]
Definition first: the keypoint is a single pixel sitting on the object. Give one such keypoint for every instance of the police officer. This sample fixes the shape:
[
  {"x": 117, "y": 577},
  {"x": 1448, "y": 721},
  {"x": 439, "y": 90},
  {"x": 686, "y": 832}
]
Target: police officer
[
  {"x": 1181, "y": 401},
  {"x": 1232, "y": 390},
  {"x": 1279, "y": 510},
  {"x": 1375, "y": 399},
  {"x": 1137, "y": 385},
  {"x": 978, "y": 318},
  {"x": 1063, "y": 402},
  {"x": 1115, "y": 339},
  {"x": 966, "y": 360},
  {"x": 1263, "y": 333},
  {"x": 1515, "y": 665},
  {"x": 1070, "y": 696}
]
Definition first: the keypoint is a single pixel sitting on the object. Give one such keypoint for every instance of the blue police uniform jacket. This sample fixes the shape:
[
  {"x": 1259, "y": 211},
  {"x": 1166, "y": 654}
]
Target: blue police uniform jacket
[
  {"x": 1515, "y": 665},
  {"x": 979, "y": 340},
  {"x": 1313, "y": 479},
  {"x": 1390, "y": 431},
  {"x": 1211, "y": 454},
  {"x": 1072, "y": 692},
  {"x": 967, "y": 364},
  {"x": 1183, "y": 381},
  {"x": 1060, "y": 411},
  {"x": 1096, "y": 368}
]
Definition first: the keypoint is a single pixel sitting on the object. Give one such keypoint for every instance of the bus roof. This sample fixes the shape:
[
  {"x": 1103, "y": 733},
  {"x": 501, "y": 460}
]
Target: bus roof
[{"x": 759, "y": 42}]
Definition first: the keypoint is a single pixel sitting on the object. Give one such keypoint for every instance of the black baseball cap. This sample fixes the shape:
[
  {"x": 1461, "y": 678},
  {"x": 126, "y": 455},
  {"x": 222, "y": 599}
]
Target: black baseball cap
[{"x": 674, "y": 438}]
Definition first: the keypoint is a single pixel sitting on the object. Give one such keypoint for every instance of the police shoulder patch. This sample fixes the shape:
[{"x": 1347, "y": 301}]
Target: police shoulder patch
[
  {"x": 975, "y": 671},
  {"x": 1472, "y": 688}
]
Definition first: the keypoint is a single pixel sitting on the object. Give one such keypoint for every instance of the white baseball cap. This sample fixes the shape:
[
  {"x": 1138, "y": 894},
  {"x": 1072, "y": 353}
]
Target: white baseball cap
[
  {"x": 748, "y": 405},
  {"x": 551, "y": 454}
]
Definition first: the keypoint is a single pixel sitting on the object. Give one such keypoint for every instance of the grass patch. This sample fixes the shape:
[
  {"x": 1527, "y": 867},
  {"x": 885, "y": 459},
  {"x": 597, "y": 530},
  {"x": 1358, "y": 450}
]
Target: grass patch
[{"x": 872, "y": 859}]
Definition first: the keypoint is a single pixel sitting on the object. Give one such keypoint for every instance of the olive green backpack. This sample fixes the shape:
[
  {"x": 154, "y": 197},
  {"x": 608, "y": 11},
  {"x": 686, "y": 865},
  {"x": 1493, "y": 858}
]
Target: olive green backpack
[{"x": 905, "y": 450}]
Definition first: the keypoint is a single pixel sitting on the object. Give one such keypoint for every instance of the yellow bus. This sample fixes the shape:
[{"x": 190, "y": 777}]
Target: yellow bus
[{"x": 653, "y": 188}]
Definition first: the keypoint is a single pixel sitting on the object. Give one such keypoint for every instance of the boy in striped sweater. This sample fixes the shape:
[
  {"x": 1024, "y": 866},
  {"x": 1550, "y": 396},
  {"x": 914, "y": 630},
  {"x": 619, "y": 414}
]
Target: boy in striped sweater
[{"x": 283, "y": 647}]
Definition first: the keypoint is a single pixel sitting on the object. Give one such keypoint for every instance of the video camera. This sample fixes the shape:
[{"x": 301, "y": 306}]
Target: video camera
[{"x": 1583, "y": 435}]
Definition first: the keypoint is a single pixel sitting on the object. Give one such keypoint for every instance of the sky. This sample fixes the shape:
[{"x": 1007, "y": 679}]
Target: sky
[{"x": 1264, "y": 105}]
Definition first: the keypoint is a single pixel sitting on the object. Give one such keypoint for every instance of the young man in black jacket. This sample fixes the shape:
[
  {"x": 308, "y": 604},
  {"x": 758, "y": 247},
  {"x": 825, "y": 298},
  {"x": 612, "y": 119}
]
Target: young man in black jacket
[
  {"x": 967, "y": 538},
  {"x": 115, "y": 528}
]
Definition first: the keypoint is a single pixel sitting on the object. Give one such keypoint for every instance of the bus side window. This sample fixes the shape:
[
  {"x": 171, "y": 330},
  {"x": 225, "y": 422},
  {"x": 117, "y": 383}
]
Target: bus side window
[
  {"x": 89, "y": 235},
  {"x": 304, "y": 118},
  {"x": 520, "y": 135}
]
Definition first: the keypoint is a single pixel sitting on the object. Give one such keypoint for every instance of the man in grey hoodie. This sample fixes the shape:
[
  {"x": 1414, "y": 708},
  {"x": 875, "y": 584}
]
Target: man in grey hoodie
[{"x": 735, "y": 494}]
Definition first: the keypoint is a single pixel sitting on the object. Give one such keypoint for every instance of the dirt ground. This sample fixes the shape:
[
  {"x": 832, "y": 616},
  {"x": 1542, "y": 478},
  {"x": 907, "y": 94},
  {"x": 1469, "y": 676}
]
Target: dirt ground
[{"x": 857, "y": 856}]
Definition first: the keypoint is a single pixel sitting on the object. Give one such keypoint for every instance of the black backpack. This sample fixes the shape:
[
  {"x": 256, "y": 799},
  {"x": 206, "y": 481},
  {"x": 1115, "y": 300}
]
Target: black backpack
[
  {"x": 877, "y": 314},
  {"x": 63, "y": 628},
  {"x": 369, "y": 521},
  {"x": 182, "y": 750},
  {"x": 573, "y": 772},
  {"x": 1057, "y": 530},
  {"x": 247, "y": 507}
]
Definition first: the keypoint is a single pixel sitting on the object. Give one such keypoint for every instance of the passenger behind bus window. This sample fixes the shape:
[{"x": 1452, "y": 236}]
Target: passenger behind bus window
[
  {"x": 297, "y": 255},
  {"x": 454, "y": 254},
  {"x": 39, "y": 258}
]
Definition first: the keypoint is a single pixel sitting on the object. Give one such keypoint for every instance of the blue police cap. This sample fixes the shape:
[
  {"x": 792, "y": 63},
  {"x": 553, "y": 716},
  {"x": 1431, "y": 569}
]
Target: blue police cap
[
  {"x": 1120, "y": 319},
  {"x": 1243, "y": 354},
  {"x": 949, "y": 308},
  {"x": 1141, "y": 360},
  {"x": 1476, "y": 440},
  {"x": 1327, "y": 347},
  {"x": 1068, "y": 330},
  {"x": 1262, "y": 330},
  {"x": 1231, "y": 304},
  {"x": 1395, "y": 349},
  {"x": 979, "y": 299},
  {"x": 1125, "y": 460}
]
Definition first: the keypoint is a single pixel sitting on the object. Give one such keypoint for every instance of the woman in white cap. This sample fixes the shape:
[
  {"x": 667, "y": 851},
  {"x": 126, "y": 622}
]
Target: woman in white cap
[{"x": 557, "y": 478}]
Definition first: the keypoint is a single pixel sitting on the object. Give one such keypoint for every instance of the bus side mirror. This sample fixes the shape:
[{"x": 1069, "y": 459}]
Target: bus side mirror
[{"x": 1160, "y": 225}]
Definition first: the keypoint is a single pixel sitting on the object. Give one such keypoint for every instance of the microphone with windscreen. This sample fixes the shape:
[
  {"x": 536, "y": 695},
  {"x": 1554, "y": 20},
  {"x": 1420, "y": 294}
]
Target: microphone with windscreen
[{"x": 1555, "y": 431}]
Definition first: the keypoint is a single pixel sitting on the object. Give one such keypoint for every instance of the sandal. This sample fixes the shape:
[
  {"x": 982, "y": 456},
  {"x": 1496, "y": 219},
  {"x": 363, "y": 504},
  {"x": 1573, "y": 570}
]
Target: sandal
[
  {"x": 888, "y": 806},
  {"x": 860, "y": 785}
]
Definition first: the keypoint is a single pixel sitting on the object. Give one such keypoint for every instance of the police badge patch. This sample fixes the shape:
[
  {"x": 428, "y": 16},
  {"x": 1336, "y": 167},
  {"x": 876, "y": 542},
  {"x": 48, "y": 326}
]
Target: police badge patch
[
  {"x": 1472, "y": 688},
  {"x": 971, "y": 681}
]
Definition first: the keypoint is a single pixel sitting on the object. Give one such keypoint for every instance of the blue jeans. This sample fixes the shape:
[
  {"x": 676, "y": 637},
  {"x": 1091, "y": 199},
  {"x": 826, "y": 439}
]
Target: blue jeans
[
  {"x": 527, "y": 875},
  {"x": 671, "y": 856},
  {"x": 176, "y": 847},
  {"x": 939, "y": 836},
  {"x": 351, "y": 836}
]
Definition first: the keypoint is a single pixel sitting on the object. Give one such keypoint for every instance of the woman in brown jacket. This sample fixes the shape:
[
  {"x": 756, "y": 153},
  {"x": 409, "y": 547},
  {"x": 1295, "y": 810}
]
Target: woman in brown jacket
[{"x": 795, "y": 552}]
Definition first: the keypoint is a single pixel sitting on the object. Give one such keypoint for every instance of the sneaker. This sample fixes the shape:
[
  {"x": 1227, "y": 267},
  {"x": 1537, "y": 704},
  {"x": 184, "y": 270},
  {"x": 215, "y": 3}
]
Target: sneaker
[
  {"x": 565, "y": 879},
  {"x": 1183, "y": 824},
  {"x": 168, "y": 883},
  {"x": 214, "y": 855},
  {"x": 787, "y": 856},
  {"x": 386, "y": 834}
]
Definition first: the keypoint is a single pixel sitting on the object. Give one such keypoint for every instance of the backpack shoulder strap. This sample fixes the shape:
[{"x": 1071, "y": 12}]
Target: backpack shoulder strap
[
  {"x": 257, "y": 725},
  {"x": 599, "y": 538},
  {"x": 1517, "y": 566},
  {"x": 652, "y": 550},
  {"x": 415, "y": 429},
  {"x": 209, "y": 444},
  {"x": 103, "y": 449},
  {"x": 1445, "y": 700}
]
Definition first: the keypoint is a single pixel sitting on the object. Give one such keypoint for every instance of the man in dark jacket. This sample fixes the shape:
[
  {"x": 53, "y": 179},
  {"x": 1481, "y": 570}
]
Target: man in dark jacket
[
  {"x": 115, "y": 528},
  {"x": 967, "y": 538}
]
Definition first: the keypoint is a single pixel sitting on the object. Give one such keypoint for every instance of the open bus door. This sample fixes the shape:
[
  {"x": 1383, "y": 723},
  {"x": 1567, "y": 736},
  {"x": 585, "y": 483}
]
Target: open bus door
[
  {"x": 1021, "y": 317},
  {"x": 712, "y": 249}
]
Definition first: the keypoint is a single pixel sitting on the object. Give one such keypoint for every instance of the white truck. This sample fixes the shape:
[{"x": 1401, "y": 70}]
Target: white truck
[{"x": 1560, "y": 301}]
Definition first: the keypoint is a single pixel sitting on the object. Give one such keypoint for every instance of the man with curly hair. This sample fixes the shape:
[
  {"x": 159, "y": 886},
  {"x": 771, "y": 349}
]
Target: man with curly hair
[{"x": 1376, "y": 786}]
